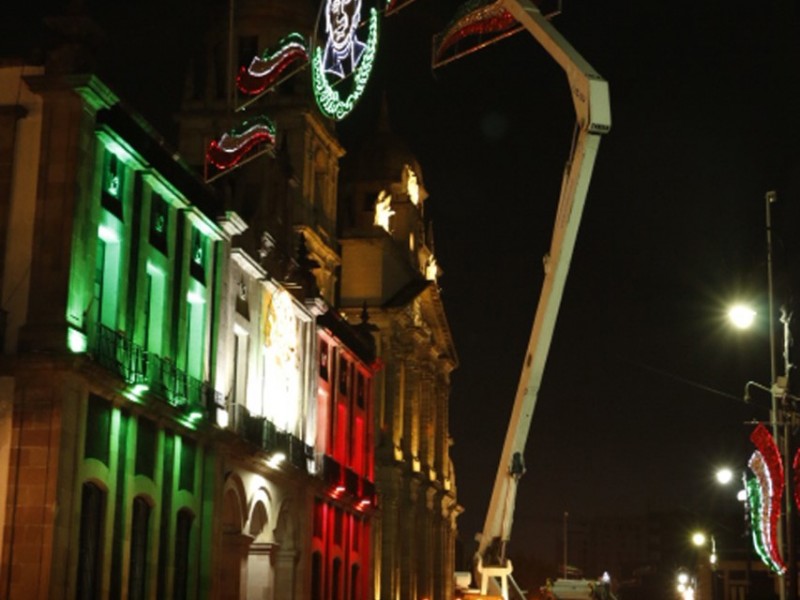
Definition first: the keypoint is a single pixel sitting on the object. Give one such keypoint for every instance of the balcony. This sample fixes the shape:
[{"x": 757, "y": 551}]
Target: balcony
[
  {"x": 262, "y": 432},
  {"x": 157, "y": 375}
]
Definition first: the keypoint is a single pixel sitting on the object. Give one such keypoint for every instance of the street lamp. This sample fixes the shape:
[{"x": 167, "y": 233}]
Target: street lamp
[
  {"x": 685, "y": 585},
  {"x": 701, "y": 539},
  {"x": 778, "y": 389},
  {"x": 725, "y": 476}
]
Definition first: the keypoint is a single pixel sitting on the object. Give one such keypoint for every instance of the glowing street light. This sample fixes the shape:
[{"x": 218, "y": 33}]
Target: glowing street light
[
  {"x": 724, "y": 475},
  {"x": 685, "y": 586},
  {"x": 699, "y": 539},
  {"x": 742, "y": 316}
]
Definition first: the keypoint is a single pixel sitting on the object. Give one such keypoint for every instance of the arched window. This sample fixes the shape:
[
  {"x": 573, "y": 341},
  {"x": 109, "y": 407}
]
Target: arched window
[
  {"x": 137, "y": 582},
  {"x": 90, "y": 550},
  {"x": 355, "y": 583},
  {"x": 183, "y": 532},
  {"x": 316, "y": 576},
  {"x": 336, "y": 580}
]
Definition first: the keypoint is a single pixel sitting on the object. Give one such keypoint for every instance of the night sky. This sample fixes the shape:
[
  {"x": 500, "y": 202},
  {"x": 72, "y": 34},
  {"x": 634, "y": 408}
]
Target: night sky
[{"x": 642, "y": 395}]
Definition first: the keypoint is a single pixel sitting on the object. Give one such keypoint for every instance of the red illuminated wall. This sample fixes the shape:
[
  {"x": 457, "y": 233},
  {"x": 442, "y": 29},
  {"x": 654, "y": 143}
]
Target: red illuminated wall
[{"x": 341, "y": 563}]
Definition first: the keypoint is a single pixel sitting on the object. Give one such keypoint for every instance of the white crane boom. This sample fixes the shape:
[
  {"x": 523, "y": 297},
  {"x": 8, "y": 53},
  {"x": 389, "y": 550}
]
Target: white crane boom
[{"x": 593, "y": 119}]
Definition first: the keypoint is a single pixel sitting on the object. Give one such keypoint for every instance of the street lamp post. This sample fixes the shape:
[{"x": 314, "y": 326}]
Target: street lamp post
[{"x": 781, "y": 413}]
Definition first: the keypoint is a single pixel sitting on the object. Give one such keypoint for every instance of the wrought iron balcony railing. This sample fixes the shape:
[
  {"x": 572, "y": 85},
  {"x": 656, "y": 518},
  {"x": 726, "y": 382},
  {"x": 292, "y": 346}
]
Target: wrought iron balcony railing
[{"x": 115, "y": 352}]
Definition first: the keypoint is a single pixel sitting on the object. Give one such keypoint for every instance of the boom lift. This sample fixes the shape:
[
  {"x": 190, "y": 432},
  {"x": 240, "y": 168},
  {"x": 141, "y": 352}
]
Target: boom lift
[{"x": 593, "y": 119}]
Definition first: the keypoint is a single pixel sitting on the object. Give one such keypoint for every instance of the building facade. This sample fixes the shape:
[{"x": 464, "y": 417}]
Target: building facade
[
  {"x": 389, "y": 268},
  {"x": 193, "y": 404},
  {"x": 160, "y": 405}
]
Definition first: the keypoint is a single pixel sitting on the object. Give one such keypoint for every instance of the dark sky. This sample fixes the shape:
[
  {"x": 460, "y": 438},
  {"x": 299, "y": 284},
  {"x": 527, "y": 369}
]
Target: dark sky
[{"x": 641, "y": 396}]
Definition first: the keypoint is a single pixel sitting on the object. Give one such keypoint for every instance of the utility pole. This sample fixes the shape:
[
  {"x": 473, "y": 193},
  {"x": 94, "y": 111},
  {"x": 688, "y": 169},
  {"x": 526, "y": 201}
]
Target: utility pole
[{"x": 781, "y": 413}]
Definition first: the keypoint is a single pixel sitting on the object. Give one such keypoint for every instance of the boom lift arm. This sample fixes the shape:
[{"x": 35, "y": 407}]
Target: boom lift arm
[{"x": 593, "y": 119}]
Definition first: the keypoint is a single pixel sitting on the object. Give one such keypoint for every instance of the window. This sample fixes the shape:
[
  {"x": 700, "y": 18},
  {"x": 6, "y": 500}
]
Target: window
[
  {"x": 319, "y": 518},
  {"x": 113, "y": 177},
  {"x": 316, "y": 576},
  {"x": 187, "y": 465},
  {"x": 355, "y": 588},
  {"x": 197, "y": 259},
  {"x": 344, "y": 372},
  {"x": 98, "y": 429},
  {"x": 159, "y": 223},
  {"x": 340, "y": 443},
  {"x": 357, "y": 458},
  {"x": 360, "y": 389},
  {"x": 137, "y": 582},
  {"x": 241, "y": 358},
  {"x": 154, "y": 310},
  {"x": 195, "y": 336},
  {"x": 90, "y": 550},
  {"x": 336, "y": 580},
  {"x": 146, "y": 448},
  {"x": 183, "y": 532},
  {"x": 323, "y": 359},
  {"x": 338, "y": 526},
  {"x": 355, "y": 533},
  {"x": 106, "y": 277}
]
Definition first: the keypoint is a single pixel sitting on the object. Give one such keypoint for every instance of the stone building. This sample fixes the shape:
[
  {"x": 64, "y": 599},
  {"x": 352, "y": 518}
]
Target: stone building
[
  {"x": 389, "y": 269},
  {"x": 162, "y": 430},
  {"x": 188, "y": 405}
]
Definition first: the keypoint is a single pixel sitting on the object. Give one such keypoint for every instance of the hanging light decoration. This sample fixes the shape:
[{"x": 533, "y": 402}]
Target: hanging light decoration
[
  {"x": 476, "y": 19},
  {"x": 233, "y": 146},
  {"x": 266, "y": 70},
  {"x": 342, "y": 62},
  {"x": 764, "y": 492}
]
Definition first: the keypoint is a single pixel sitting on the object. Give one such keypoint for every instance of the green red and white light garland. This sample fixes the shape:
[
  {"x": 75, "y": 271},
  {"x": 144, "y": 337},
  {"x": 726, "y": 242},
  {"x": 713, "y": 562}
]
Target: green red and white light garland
[
  {"x": 475, "y": 18},
  {"x": 329, "y": 100},
  {"x": 233, "y": 146},
  {"x": 764, "y": 493},
  {"x": 265, "y": 70}
]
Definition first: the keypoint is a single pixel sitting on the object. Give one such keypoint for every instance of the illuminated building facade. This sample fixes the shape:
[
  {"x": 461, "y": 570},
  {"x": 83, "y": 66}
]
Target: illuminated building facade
[
  {"x": 109, "y": 383},
  {"x": 160, "y": 388},
  {"x": 389, "y": 269},
  {"x": 182, "y": 412}
]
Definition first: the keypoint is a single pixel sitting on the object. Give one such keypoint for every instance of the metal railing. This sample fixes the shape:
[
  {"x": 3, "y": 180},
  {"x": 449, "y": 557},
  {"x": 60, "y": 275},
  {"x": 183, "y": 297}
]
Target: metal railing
[{"x": 114, "y": 351}]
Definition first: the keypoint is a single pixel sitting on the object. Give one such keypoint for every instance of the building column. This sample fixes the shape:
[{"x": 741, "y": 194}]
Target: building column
[
  {"x": 233, "y": 566},
  {"x": 9, "y": 115},
  {"x": 390, "y": 534},
  {"x": 408, "y": 539},
  {"x": 36, "y": 493},
  {"x": 285, "y": 565}
]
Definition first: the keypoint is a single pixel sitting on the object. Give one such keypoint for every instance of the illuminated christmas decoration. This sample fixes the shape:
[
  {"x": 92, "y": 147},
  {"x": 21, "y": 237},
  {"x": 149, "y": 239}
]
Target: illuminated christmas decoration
[
  {"x": 764, "y": 497},
  {"x": 431, "y": 269},
  {"x": 234, "y": 146},
  {"x": 796, "y": 466},
  {"x": 266, "y": 70},
  {"x": 383, "y": 210},
  {"x": 341, "y": 69},
  {"x": 412, "y": 185},
  {"x": 479, "y": 21}
]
